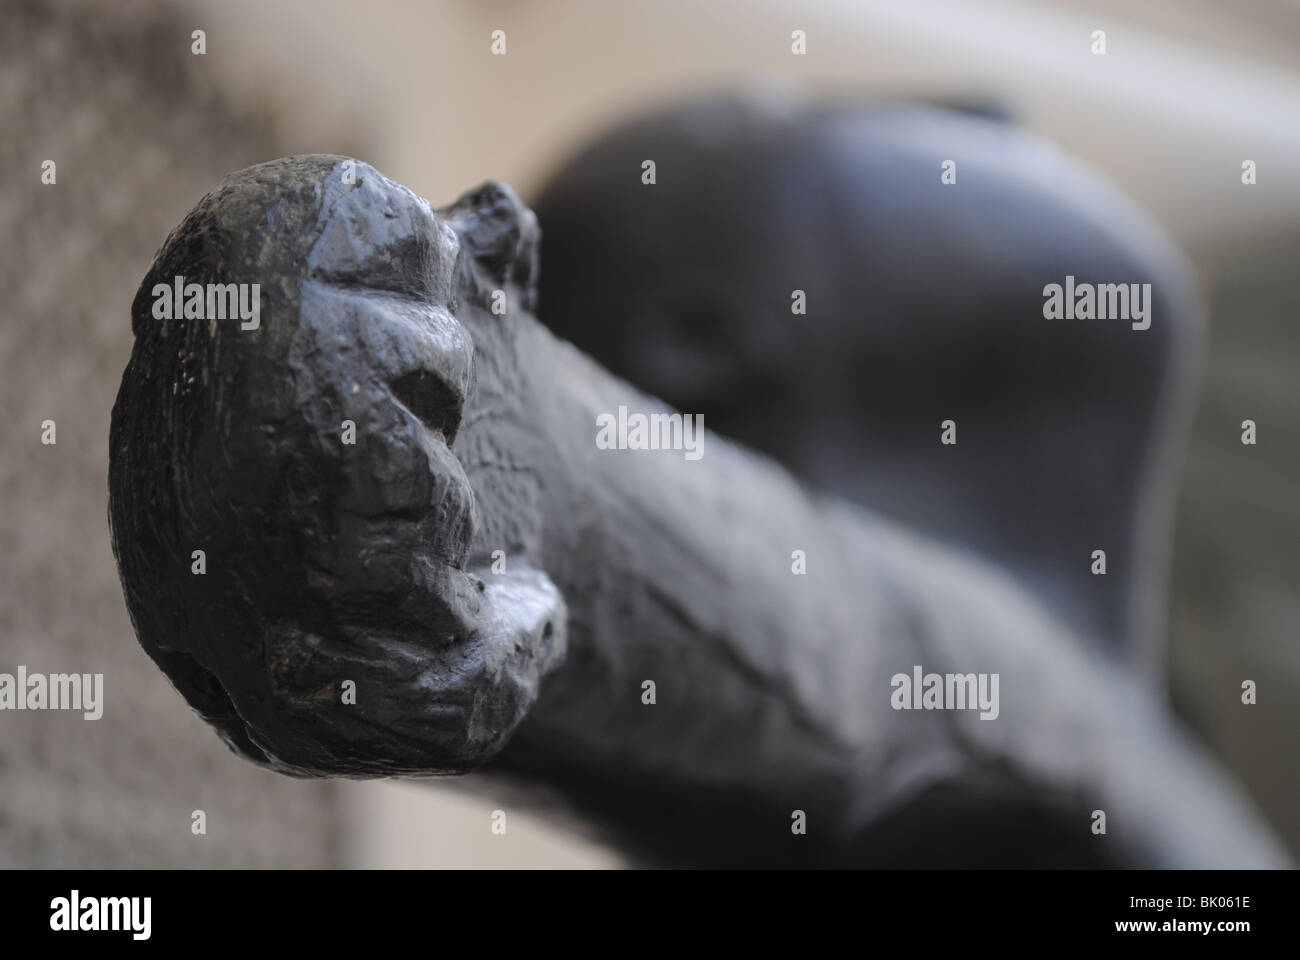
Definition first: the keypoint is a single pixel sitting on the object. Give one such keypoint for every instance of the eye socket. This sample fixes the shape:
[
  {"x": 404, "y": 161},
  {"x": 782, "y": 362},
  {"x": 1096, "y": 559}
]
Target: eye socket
[{"x": 432, "y": 402}]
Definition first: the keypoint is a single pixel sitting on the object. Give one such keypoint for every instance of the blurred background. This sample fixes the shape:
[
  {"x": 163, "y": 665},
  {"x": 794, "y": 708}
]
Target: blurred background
[{"x": 141, "y": 128}]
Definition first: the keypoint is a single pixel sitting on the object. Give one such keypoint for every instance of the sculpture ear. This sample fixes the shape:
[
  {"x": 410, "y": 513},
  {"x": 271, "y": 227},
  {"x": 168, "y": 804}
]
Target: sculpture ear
[{"x": 500, "y": 236}]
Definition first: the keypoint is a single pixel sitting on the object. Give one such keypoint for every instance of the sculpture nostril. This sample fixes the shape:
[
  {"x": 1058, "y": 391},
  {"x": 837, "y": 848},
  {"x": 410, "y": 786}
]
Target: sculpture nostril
[{"x": 432, "y": 402}]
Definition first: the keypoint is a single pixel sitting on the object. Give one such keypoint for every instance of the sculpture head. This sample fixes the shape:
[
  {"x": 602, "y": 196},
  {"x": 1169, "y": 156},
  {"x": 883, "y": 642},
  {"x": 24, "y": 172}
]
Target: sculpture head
[{"x": 330, "y": 624}]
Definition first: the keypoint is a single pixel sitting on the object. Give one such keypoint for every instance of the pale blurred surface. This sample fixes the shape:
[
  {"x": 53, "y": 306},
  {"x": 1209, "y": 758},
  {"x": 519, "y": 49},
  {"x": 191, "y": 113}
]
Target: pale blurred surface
[
  {"x": 134, "y": 150},
  {"x": 410, "y": 825},
  {"x": 1184, "y": 94}
]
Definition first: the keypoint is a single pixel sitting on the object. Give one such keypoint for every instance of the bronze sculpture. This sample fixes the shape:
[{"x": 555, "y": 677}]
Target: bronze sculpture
[{"x": 498, "y": 590}]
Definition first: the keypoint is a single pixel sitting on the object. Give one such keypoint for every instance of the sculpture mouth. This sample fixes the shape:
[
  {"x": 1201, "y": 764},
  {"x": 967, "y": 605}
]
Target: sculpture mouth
[
  {"x": 440, "y": 696},
  {"x": 430, "y": 401}
]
